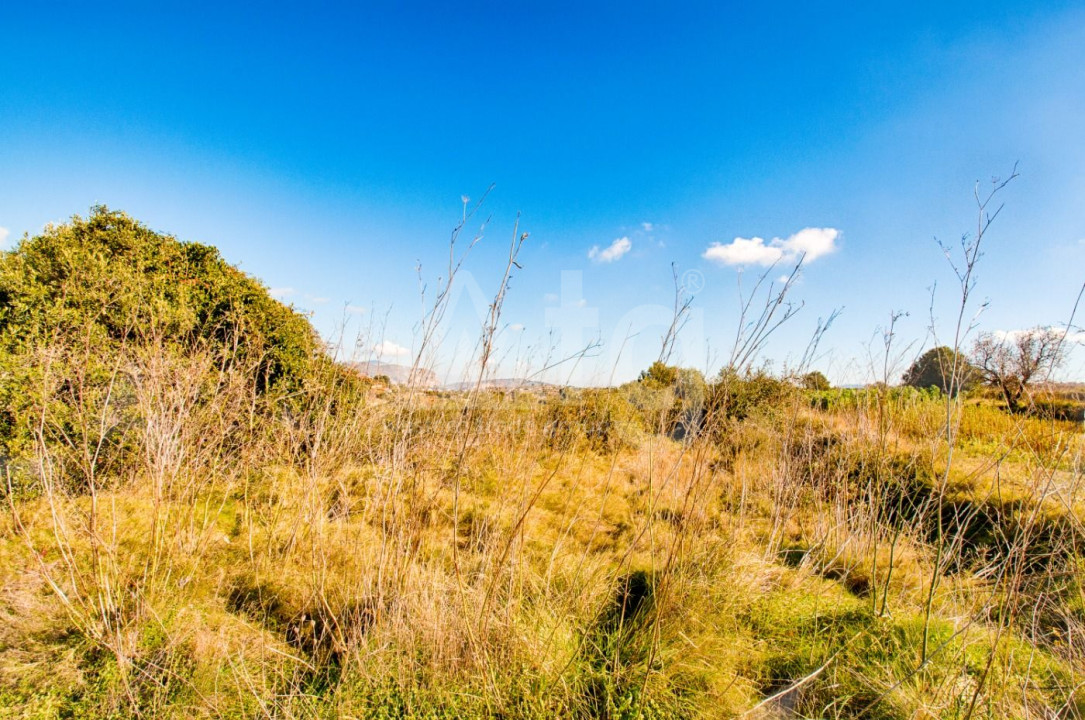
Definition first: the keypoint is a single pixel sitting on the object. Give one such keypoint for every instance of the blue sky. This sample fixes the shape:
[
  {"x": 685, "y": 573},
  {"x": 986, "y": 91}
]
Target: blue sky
[{"x": 325, "y": 149}]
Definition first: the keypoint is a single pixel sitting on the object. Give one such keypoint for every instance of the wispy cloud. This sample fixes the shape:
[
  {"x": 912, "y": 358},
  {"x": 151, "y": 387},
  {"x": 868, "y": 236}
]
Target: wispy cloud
[
  {"x": 282, "y": 292},
  {"x": 4, "y": 232},
  {"x": 809, "y": 243},
  {"x": 388, "y": 348},
  {"x": 647, "y": 226},
  {"x": 356, "y": 310},
  {"x": 612, "y": 252},
  {"x": 516, "y": 327},
  {"x": 1073, "y": 335}
]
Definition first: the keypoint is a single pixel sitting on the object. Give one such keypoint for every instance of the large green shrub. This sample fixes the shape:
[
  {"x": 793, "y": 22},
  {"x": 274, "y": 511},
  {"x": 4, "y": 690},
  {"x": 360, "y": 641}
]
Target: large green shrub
[
  {"x": 82, "y": 302},
  {"x": 111, "y": 280},
  {"x": 738, "y": 395},
  {"x": 942, "y": 368}
]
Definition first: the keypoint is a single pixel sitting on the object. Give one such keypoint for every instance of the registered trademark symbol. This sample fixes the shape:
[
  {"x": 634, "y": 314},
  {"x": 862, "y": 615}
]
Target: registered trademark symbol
[{"x": 693, "y": 281}]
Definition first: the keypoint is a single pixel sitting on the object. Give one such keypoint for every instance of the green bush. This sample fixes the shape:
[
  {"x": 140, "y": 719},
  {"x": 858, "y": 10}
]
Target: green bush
[
  {"x": 110, "y": 280},
  {"x": 600, "y": 418},
  {"x": 669, "y": 400},
  {"x": 81, "y": 302},
  {"x": 943, "y": 369},
  {"x": 816, "y": 380},
  {"x": 737, "y": 396}
]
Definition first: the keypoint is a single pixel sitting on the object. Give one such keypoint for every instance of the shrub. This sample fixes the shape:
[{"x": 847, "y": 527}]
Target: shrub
[
  {"x": 79, "y": 302},
  {"x": 816, "y": 380},
  {"x": 737, "y": 396},
  {"x": 941, "y": 368},
  {"x": 111, "y": 280},
  {"x": 602, "y": 419},
  {"x": 659, "y": 375}
]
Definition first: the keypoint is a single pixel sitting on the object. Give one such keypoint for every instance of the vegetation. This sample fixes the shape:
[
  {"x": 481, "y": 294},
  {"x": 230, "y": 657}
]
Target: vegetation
[
  {"x": 816, "y": 380},
  {"x": 207, "y": 518},
  {"x": 118, "y": 282},
  {"x": 82, "y": 306},
  {"x": 1011, "y": 363},
  {"x": 942, "y": 368}
]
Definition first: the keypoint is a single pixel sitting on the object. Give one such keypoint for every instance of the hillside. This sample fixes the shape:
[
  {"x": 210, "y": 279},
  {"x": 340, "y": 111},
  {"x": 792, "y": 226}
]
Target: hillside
[{"x": 397, "y": 374}]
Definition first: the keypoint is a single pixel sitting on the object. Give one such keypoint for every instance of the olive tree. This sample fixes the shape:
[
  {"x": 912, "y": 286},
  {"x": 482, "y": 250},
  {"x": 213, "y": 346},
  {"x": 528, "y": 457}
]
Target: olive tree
[{"x": 1009, "y": 362}]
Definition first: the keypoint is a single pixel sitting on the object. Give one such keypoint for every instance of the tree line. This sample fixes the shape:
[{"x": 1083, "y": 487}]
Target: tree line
[{"x": 1008, "y": 362}]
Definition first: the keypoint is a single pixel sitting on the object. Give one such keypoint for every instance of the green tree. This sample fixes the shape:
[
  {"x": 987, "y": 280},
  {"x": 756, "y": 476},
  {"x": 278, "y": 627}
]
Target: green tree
[
  {"x": 816, "y": 380},
  {"x": 659, "y": 375},
  {"x": 942, "y": 368}
]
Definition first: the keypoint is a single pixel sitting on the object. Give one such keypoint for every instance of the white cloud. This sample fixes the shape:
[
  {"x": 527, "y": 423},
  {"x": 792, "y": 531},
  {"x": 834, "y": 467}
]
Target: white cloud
[
  {"x": 317, "y": 300},
  {"x": 612, "y": 252},
  {"x": 1072, "y": 336},
  {"x": 551, "y": 297},
  {"x": 516, "y": 327},
  {"x": 356, "y": 310},
  {"x": 280, "y": 293},
  {"x": 4, "y": 232},
  {"x": 647, "y": 226},
  {"x": 743, "y": 251},
  {"x": 813, "y": 242},
  {"x": 809, "y": 243},
  {"x": 388, "y": 348}
]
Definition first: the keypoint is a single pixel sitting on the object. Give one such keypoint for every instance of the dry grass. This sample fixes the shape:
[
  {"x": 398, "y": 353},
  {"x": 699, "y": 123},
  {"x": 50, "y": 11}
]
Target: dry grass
[
  {"x": 408, "y": 555},
  {"x": 185, "y": 538}
]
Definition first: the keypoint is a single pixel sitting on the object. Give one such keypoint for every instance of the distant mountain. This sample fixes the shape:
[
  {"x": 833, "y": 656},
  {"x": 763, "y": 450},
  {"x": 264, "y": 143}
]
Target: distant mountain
[
  {"x": 398, "y": 374},
  {"x": 501, "y": 384}
]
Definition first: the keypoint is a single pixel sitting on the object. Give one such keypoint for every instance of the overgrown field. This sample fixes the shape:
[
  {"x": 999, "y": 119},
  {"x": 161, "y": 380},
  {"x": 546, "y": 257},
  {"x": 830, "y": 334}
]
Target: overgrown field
[{"x": 207, "y": 518}]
